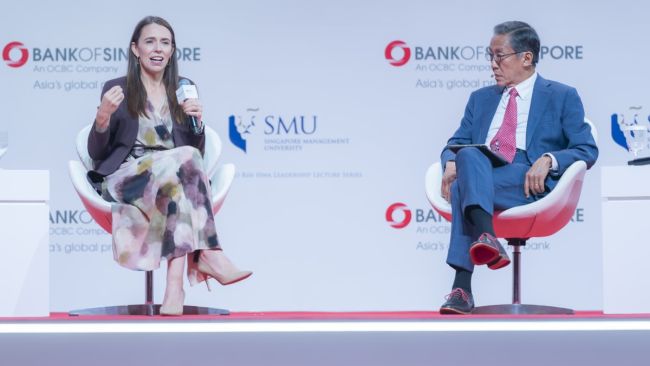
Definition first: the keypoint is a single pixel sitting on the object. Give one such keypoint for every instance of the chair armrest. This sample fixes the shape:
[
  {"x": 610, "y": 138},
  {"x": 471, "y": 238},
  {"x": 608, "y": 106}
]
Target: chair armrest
[
  {"x": 549, "y": 214},
  {"x": 221, "y": 181},
  {"x": 212, "y": 151},
  {"x": 433, "y": 188},
  {"x": 82, "y": 147},
  {"x": 97, "y": 207}
]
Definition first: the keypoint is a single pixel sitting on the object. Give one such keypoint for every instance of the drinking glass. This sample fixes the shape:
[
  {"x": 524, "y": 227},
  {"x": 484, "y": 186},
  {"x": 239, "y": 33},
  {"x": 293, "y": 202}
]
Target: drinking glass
[
  {"x": 4, "y": 142},
  {"x": 636, "y": 137}
]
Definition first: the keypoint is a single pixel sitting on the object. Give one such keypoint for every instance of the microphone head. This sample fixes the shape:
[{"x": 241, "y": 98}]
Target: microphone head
[
  {"x": 183, "y": 81},
  {"x": 186, "y": 90}
]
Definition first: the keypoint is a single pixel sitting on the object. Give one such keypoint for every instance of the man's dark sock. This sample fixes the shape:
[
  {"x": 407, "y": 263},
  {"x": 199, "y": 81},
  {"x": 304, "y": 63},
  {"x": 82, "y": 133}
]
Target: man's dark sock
[
  {"x": 463, "y": 280},
  {"x": 481, "y": 219}
]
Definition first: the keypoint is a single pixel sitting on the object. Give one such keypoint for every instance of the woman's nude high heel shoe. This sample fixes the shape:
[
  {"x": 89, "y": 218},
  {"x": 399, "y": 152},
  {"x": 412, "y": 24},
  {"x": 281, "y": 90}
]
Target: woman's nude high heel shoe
[
  {"x": 215, "y": 264},
  {"x": 220, "y": 268},
  {"x": 224, "y": 278}
]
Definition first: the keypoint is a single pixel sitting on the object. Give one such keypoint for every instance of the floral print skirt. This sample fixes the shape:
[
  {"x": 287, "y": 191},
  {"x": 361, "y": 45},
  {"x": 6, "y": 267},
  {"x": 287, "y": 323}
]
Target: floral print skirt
[{"x": 162, "y": 208}]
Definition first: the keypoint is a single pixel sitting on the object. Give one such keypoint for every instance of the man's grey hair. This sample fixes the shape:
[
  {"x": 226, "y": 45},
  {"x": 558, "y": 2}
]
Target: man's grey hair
[{"x": 521, "y": 36}]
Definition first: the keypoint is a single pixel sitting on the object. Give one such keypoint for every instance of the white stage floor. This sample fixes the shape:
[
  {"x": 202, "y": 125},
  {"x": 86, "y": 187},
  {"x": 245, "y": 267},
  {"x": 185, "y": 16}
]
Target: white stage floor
[{"x": 268, "y": 339}]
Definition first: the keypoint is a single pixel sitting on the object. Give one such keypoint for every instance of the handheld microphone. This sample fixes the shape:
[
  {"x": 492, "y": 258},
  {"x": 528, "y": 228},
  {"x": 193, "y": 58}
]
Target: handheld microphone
[{"x": 187, "y": 90}]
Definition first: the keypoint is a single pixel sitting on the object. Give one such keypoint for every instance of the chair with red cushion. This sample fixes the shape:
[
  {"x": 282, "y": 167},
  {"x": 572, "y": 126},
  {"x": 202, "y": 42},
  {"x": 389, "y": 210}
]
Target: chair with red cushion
[
  {"x": 541, "y": 218},
  {"x": 221, "y": 178}
]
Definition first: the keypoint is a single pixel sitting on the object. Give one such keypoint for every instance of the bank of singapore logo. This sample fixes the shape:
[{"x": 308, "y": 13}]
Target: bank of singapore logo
[
  {"x": 405, "y": 215},
  {"x": 406, "y": 53},
  {"x": 6, "y": 54}
]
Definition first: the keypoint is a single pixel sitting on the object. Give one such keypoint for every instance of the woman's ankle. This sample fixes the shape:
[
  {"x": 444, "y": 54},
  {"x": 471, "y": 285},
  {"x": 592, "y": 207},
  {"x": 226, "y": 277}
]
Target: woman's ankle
[{"x": 174, "y": 287}]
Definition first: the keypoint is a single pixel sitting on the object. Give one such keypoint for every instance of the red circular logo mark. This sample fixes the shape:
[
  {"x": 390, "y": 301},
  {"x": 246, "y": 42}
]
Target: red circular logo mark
[
  {"x": 398, "y": 207},
  {"x": 24, "y": 54},
  {"x": 388, "y": 53}
]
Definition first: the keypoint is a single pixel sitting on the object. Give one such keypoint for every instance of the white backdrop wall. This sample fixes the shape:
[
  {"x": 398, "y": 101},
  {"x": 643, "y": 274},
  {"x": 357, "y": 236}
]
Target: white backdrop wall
[{"x": 307, "y": 209}]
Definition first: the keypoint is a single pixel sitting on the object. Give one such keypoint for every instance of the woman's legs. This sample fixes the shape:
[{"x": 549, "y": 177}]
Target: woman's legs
[{"x": 174, "y": 294}]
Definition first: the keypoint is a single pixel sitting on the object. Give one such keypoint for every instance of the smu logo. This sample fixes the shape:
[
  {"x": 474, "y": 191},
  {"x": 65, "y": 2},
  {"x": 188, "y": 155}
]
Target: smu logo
[
  {"x": 404, "y": 215},
  {"x": 276, "y": 127},
  {"x": 13, "y": 61},
  {"x": 405, "y": 56},
  {"x": 239, "y": 128}
]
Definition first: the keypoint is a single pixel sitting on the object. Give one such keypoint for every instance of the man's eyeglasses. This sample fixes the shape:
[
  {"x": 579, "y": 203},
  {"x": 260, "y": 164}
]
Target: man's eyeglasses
[{"x": 499, "y": 56}]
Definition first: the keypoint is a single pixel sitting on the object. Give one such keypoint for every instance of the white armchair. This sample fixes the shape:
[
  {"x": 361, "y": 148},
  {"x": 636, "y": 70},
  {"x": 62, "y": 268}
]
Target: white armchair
[
  {"x": 541, "y": 218},
  {"x": 221, "y": 178}
]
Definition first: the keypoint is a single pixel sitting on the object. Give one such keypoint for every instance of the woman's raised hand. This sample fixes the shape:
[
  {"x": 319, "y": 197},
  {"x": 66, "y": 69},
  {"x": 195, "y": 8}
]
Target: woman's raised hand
[{"x": 110, "y": 102}]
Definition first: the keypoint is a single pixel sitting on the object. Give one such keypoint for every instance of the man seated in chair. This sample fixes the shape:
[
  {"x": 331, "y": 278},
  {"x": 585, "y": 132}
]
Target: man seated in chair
[{"x": 536, "y": 125}]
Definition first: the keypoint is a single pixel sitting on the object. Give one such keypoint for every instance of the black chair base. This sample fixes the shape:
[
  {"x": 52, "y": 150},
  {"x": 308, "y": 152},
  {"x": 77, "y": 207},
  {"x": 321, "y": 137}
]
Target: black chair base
[
  {"x": 145, "y": 309},
  {"x": 521, "y": 309}
]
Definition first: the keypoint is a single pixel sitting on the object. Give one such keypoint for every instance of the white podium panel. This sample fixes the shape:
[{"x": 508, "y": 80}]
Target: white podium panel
[
  {"x": 24, "y": 238},
  {"x": 626, "y": 247}
]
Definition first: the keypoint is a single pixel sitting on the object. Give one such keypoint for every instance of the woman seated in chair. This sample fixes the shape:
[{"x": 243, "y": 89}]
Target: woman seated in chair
[{"x": 148, "y": 160}]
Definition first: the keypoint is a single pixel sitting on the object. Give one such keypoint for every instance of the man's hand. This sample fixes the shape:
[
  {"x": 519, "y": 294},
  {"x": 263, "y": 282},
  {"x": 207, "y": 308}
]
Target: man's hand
[
  {"x": 447, "y": 179},
  {"x": 536, "y": 176}
]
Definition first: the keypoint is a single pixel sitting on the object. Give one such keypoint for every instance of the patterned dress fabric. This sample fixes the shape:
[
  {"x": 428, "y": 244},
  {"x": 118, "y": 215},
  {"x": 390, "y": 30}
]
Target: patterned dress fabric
[{"x": 163, "y": 206}]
